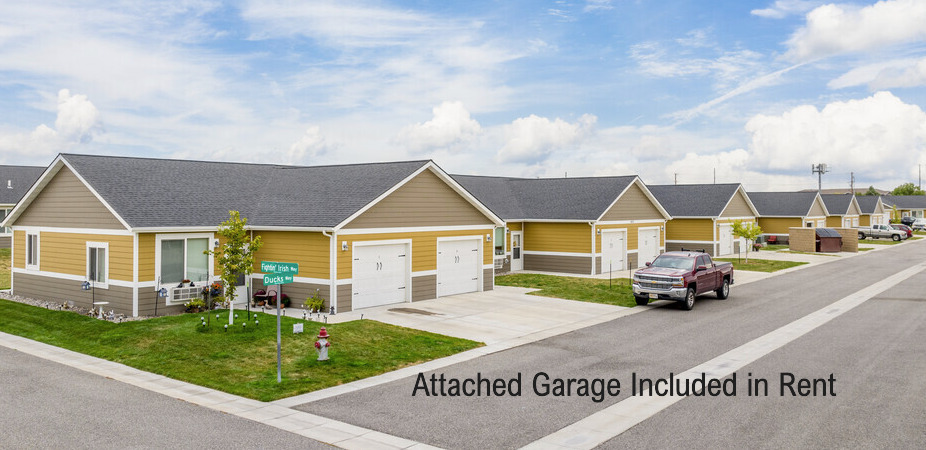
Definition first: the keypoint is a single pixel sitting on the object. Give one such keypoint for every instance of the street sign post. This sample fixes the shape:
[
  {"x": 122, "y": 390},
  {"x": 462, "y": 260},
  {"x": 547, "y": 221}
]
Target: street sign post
[
  {"x": 276, "y": 278},
  {"x": 278, "y": 273},
  {"x": 279, "y": 267}
]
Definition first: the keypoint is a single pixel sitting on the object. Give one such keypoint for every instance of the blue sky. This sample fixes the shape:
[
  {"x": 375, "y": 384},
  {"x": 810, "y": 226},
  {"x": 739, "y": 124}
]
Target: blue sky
[{"x": 755, "y": 92}]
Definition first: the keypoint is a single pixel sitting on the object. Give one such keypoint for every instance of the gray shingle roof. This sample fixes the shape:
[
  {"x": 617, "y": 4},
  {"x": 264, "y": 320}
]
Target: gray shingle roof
[
  {"x": 867, "y": 203},
  {"x": 178, "y": 193},
  {"x": 905, "y": 201},
  {"x": 837, "y": 204},
  {"x": 788, "y": 204},
  {"x": 694, "y": 200},
  {"x": 15, "y": 181},
  {"x": 546, "y": 198}
]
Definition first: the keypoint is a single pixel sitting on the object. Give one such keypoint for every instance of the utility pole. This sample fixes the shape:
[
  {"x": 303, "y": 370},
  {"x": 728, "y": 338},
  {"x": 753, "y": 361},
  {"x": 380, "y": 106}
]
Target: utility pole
[
  {"x": 852, "y": 182},
  {"x": 819, "y": 169},
  {"x": 715, "y": 175},
  {"x": 676, "y": 177}
]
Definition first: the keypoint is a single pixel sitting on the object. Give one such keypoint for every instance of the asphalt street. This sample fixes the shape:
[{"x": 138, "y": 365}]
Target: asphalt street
[
  {"x": 874, "y": 352},
  {"x": 44, "y": 404}
]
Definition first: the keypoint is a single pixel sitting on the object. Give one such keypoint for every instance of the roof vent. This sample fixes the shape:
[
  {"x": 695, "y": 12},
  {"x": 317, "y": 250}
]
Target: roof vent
[{"x": 9, "y": 184}]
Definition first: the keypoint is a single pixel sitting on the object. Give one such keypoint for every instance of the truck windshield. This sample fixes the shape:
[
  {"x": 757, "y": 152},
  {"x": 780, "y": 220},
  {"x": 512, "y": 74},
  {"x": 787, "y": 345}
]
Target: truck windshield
[{"x": 674, "y": 262}]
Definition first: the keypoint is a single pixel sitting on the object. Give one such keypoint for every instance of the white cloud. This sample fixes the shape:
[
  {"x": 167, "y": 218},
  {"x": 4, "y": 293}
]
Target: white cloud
[
  {"x": 532, "y": 139},
  {"x": 874, "y": 137},
  {"x": 77, "y": 122},
  {"x": 833, "y": 29},
  {"x": 451, "y": 125},
  {"x": 784, "y": 8},
  {"x": 597, "y": 5},
  {"x": 696, "y": 55},
  {"x": 309, "y": 146},
  {"x": 901, "y": 73}
]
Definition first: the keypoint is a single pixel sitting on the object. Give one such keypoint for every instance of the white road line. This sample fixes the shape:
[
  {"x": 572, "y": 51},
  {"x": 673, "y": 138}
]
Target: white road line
[{"x": 620, "y": 417}]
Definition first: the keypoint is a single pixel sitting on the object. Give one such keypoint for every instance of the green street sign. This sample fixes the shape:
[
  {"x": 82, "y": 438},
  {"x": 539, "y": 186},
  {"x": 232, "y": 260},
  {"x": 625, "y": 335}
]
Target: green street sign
[
  {"x": 277, "y": 278},
  {"x": 279, "y": 267}
]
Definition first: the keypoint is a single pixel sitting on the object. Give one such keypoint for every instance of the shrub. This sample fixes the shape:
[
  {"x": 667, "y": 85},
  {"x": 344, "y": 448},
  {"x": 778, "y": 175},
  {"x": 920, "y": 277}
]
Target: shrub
[
  {"x": 196, "y": 305},
  {"x": 314, "y": 303}
]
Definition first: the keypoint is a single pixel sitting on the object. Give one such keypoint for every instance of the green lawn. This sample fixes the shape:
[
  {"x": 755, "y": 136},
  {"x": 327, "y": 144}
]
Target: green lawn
[
  {"x": 774, "y": 247},
  {"x": 5, "y": 268},
  {"x": 573, "y": 288},
  {"x": 242, "y": 360},
  {"x": 760, "y": 265}
]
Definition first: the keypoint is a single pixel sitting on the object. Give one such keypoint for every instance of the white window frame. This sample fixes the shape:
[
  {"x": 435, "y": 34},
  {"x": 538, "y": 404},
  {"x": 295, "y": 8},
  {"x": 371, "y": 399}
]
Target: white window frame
[
  {"x": 5, "y": 231},
  {"x": 176, "y": 237},
  {"x": 104, "y": 246},
  {"x": 38, "y": 247}
]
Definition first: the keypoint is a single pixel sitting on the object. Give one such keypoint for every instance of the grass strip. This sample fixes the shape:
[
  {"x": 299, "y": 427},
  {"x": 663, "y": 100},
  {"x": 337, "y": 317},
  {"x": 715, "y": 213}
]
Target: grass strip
[
  {"x": 760, "y": 265},
  {"x": 594, "y": 290},
  {"x": 242, "y": 360}
]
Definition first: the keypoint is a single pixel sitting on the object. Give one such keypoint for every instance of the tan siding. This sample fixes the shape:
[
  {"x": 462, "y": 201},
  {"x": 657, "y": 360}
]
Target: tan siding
[
  {"x": 147, "y": 299},
  {"x": 66, "y": 202},
  {"x": 424, "y": 288},
  {"x": 556, "y": 263},
  {"x": 67, "y": 253},
  {"x": 853, "y": 210},
  {"x": 424, "y": 201},
  {"x": 633, "y": 205},
  {"x": 488, "y": 279},
  {"x": 6, "y": 241},
  {"x": 297, "y": 292},
  {"x": 345, "y": 296},
  {"x": 19, "y": 249},
  {"x": 879, "y": 208},
  {"x": 738, "y": 207},
  {"x": 59, "y": 290},
  {"x": 424, "y": 248},
  {"x": 779, "y": 225},
  {"x": 816, "y": 209},
  {"x": 311, "y": 250},
  {"x": 557, "y": 237},
  {"x": 690, "y": 229}
]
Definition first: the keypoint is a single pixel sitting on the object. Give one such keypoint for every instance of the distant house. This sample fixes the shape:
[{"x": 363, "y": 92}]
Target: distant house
[
  {"x": 844, "y": 210},
  {"x": 15, "y": 181},
  {"x": 363, "y": 235},
  {"x": 703, "y": 216},
  {"x": 907, "y": 205},
  {"x": 871, "y": 210},
  {"x": 779, "y": 211},
  {"x": 572, "y": 225}
]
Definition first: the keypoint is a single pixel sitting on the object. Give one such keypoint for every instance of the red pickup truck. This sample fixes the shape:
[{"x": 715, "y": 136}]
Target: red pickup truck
[{"x": 682, "y": 276}]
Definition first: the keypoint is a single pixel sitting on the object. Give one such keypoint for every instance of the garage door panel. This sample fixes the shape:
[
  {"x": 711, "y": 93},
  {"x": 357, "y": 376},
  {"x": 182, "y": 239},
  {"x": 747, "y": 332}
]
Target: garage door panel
[
  {"x": 380, "y": 275},
  {"x": 458, "y": 267},
  {"x": 613, "y": 250}
]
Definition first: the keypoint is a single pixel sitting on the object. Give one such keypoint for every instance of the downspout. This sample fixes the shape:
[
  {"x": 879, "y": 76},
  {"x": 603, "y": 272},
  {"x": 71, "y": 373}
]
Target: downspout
[
  {"x": 332, "y": 269},
  {"x": 592, "y": 224},
  {"x": 714, "y": 244}
]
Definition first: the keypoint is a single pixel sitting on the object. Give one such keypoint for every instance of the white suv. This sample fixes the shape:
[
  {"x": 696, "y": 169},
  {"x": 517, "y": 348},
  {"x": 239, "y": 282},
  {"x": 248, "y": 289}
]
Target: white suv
[{"x": 919, "y": 224}]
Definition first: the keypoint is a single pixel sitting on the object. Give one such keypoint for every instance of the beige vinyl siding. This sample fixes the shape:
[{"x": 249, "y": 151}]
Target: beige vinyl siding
[
  {"x": 59, "y": 290},
  {"x": 779, "y": 225},
  {"x": 690, "y": 230},
  {"x": 853, "y": 210},
  {"x": 311, "y": 250},
  {"x": 67, "y": 253},
  {"x": 557, "y": 237},
  {"x": 66, "y": 202},
  {"x": 424, "y": 287},
  {"x": 425, "y": 200},
  {"x": 816, "y": 209},
  {"x": 558, "y": 263},
  {"x": 424, "y": 248},
  {"x": 633, "y": 205},
  {"x": 738, "y": 207}
]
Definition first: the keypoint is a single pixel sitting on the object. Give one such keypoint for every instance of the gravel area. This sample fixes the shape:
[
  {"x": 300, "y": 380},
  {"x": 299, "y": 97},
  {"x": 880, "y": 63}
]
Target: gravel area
[{"x": 68, "y": 306}]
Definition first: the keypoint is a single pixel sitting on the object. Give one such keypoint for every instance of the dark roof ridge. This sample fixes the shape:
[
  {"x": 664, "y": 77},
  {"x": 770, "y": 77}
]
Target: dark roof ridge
[{"x": 280, "y": 166}]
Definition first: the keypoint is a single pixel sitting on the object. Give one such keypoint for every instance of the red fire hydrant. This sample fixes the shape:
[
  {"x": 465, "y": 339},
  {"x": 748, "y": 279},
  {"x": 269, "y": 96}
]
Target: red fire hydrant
[{"x": 322, "y": 344}]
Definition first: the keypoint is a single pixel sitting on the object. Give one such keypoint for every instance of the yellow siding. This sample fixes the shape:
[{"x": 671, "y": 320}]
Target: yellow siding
[
  {"x": 308, "y": 249},
  {"x": 779, "y": 225},
  {"x": 19, "y": 247},
  {"x": 424, "y": 248},
  {"x": 633, "y": 236},
  {"x": 67, "y": 253},
  {"x": 834, "y": 221},
  {"x": 864, "y": 220},
  {"x": 146, "y": 257},
  {"x": 633, "y": 205},
  {"x": 689, "y": 230},
  {"x": 557, "y": 237}
]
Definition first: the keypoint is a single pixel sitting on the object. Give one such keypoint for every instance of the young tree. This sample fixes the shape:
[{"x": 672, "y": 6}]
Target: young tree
[
  {"x": 907, "y": 189},
  {"x": 236, "y": 257},
  {"x": 749, "y": 231},
  {"x": 871, "y": 191}
]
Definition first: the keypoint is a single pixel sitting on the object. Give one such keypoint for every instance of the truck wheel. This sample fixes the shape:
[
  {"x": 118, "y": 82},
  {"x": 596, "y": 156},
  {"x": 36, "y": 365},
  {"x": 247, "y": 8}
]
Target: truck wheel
[
  {"x": 861, "y": 236},
  {"x": 895, "y": 237},
  {"x": 724, "y": 290},
  {"x": 689, "y": 299},
  {"x": 641, "y": 301}
]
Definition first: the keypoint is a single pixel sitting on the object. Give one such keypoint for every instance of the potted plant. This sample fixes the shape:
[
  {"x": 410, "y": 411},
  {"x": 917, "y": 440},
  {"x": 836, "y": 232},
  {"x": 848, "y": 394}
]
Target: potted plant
[
  {"x": 314, "y": 303},
  {"x": 284, "y": 300}
]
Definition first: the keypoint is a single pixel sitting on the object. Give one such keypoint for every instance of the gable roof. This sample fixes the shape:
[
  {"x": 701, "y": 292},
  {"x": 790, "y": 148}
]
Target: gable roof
[
  {"x": 837, "y": 204},
  {"x": 905, "y": 201},
  {"x": 868, "y": 204},
  {"x": 15, "y": 181},
  {"x": 784, "y": 204},
  {"x": 697, "y": 200},
  {"x": 163, "y": 193},
  {"x": 566, "y": 199}
]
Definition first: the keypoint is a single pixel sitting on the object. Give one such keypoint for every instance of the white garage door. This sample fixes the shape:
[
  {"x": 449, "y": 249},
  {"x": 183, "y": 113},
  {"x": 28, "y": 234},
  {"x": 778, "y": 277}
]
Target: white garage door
[
  {"x": 648, "y": 246},
  {"x": 458, "y": 266},
  {"x": 380, "y": 275},
  {"x": 726, "y": 240},
  {"x": 613, "y": 250}
]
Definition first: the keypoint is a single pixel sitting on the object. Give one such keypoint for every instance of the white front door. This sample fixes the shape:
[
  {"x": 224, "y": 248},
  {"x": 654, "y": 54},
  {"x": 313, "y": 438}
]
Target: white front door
[
  {"x": 647, "y": 246},
  {"x": 726, "y": 240},
  {"x": 380, "y": 275},
  {"x": 517, "y": 259},
  {"x": 458, "y": 266},
  {"x": 613, "y": 250}
]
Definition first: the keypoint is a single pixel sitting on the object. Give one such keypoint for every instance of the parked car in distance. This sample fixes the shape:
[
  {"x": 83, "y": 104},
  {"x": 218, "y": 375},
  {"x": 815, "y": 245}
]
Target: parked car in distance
[
  {"x": 682, "y": 276},
  {"x": 919, "y": 224},
  {"x": 907, "y": 220},
  {"x": 904, "y": 228},
  {"x": 881, "y": 231}
]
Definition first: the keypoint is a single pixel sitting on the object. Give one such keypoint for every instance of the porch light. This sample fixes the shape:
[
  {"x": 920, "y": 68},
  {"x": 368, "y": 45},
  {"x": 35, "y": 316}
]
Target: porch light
[
  {"x": 599, "y": 232},
  {"x": 488, "y": 238},
  {"x": 343, "y": 246}
]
